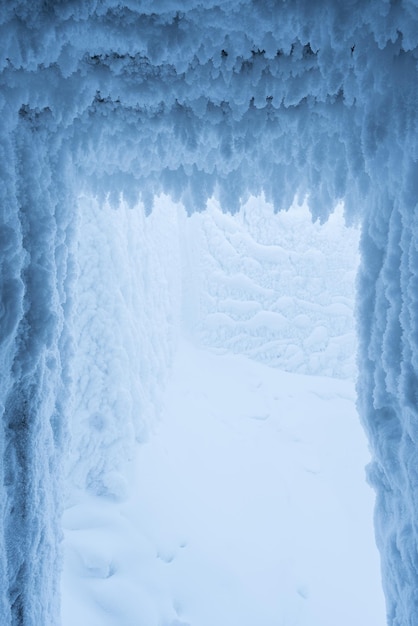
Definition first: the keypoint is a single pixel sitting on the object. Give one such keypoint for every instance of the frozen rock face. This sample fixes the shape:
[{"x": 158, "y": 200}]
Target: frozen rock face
[{"x": 231, "y": 98}]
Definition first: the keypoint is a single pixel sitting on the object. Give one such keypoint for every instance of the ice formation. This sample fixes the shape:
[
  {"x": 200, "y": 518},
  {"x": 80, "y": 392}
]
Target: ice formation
[{"x": 195, "y": 99}]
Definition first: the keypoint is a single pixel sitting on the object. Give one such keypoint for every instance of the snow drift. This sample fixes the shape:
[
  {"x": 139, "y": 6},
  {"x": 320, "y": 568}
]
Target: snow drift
[{"x": 193, "y": 100}]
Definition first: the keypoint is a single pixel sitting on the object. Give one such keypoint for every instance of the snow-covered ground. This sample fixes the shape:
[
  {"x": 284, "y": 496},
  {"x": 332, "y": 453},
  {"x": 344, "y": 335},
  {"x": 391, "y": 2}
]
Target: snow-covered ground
[
  {"x": 244, "y": 500},
  {"x": 247, "y": 506}
]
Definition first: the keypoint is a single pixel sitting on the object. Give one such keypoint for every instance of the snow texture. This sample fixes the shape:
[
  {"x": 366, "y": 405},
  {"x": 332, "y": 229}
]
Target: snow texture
[
  {"x": 247, "y": 506},
  {"x": 249, "y": 477},
  {"x": 274, "y": 287},
  {"x": 222, "y": 98}
]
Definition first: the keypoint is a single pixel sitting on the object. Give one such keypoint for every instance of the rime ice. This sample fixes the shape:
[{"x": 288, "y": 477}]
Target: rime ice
[{"x": 227, "y": 99}]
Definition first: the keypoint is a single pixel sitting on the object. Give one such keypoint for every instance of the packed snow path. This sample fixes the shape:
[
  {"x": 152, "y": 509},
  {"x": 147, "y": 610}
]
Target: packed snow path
[{"x": 247, "y": 507}]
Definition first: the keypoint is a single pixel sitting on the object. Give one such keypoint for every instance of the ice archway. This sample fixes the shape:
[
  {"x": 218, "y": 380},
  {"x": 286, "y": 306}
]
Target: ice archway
[{"x": 232, "y": 98}]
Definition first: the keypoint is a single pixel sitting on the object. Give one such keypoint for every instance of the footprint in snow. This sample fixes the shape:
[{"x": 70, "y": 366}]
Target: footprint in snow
[
  {"x": 167, "y": 556},
  {"x": 99, "y": 570},
  {"x": 260, "y": 418},
  {"x": 303, "y": 591}
]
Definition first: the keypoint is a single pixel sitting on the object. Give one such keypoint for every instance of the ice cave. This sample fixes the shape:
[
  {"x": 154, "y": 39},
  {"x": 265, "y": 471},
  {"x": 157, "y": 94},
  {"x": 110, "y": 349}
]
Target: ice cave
[{"x": 208, "y": 317}]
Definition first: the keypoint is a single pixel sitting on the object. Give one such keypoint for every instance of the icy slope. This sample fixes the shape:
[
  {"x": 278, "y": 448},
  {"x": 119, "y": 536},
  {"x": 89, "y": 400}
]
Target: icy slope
[{"x": 247, "y": 506}]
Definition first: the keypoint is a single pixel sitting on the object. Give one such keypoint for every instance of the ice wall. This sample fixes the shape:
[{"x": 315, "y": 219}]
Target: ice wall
[
  {"x": 230, "y": 98},
  {"x": 275, "y": 287},
  {"x": 124, "y": 326},
  {"x": 36, "y": 272}
]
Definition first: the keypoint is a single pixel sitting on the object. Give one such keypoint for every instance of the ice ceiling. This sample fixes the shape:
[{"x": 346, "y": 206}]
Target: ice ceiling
[{"x": 195, "y": 99}]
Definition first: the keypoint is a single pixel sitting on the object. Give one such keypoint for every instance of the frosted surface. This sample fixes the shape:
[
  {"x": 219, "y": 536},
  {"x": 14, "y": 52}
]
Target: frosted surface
[
  {"x": 196, "y": 100},
  {"x": 274, "y": 287},
  {"x": 247, "y": 492}
]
